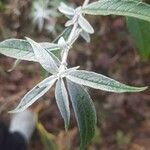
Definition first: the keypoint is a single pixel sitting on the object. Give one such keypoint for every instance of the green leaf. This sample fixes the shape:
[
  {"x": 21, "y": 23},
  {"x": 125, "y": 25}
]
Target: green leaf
[
  {"x": 38, "y": 91},
  {"x": 49, "y": 140},
  {"x": 65, "y": 34},
  {"x": 140, "y": 32},
  {"x": 62, "y": 101},
  {"x": 84, "y": 112},
  {"x": 21, "y": 49},
  {"x": 98, "y": 81},
  {"x": 44, "y": 58},
  {"x": 129, "y": 8}
]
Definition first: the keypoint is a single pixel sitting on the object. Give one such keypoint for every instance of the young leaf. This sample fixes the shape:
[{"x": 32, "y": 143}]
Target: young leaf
[
  {"x": 101, "y": 82},
  {"x": 84, "y": 112},
  {"x": 22, "y": 49},
  {"x": 63, "y": 8},
  {"x": 85, "y": 36},
  {"x": 129, "y": 8},
  {"x": 140, "y": 31},
  {"x": 85, "y": 25},
  {"x": 62, "y": 101},
  {"x": 43, "y": 57},
  {"x": 38, "y": 91}
]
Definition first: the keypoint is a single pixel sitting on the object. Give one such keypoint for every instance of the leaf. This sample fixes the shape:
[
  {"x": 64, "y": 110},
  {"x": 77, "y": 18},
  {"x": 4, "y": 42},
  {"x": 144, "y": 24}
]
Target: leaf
[
  {"x": 65, "y": 34},
  {"x": 49, "y": 140},
  {"x": 38, "y": 91},
  {"x": 140, "y": 32},
  {"x": 86, "y": 36},
  {"x": 129, "y": 8},
  {"x": 52, "y": 48},
  {"x": 62, "y": 101},
  {"x": 85, "y": 25},
  {"x": 84, "y": 112},
  {"x": 98, "y": 81},
  {"x": 43, "y": 57},
  {"x": 18, "y": 49},
  {"x": 63, "y": 8},
  {"x": 21, "y": 49}
]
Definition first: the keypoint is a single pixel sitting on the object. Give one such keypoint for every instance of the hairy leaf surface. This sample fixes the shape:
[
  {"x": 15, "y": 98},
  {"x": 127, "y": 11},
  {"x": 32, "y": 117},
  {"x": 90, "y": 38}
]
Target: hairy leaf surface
[
  {"x": 98, "y": 81},
  {"x": 44, "y": 58},
  {"x": 38, "y": 91},
  {"x": 21, "y": 49},
  {"x": 62, "y": 101}
]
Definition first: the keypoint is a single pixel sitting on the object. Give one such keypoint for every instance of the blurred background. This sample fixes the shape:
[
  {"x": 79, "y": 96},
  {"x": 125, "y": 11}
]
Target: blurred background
[{"x": 123, "y": 119}]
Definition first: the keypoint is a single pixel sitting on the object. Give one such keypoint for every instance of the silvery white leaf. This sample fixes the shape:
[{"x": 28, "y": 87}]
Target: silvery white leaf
[
  {"x": 34, "y": 94},
  {"x": 62, "y": 101},
  {"x": 63, "y": 8},
  {"x": 51, "y": 46},
  {"x": 69, "y": 23},
  {"x": 53, "y": 49},
  {"x": 43, "y": 57},
  {"x": 98, "y": 81},
  {"x": 69, "y": 70},
  {"x": 76, "y": 35},
  {"x": 85, "y": 25},
  {"x": 63, "y": 45},
  {"x": 18, "y": 49},
  {"x": 85, "y": 36}
]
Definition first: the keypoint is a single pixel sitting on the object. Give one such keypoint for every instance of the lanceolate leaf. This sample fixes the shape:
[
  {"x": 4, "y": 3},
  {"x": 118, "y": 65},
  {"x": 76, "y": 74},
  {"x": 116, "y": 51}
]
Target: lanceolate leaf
[
  {"x": 129, "y": 8},
  {"x": 34, "y": 94},
  {"x": 85, "y": 25},
  {"x": 101, "y": 82},
  {"x": 84, "y": 112},
  {"x": 22, "y": 49},
  {"x": 18, "y": 49},
  {"x": 44, "y": 57},
  {"x": 63, "y": 8},
  {"x": 63, "y": 101},
  {"x": 140, "y": 31}
]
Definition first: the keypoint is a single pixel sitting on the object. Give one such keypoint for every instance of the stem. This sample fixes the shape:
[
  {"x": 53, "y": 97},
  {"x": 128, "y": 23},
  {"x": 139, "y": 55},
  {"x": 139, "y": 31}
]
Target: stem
[
  {"x": 72, "y": 32},
  {"x": 85, "y": 3},
  {"x": 69, "y": 41}
]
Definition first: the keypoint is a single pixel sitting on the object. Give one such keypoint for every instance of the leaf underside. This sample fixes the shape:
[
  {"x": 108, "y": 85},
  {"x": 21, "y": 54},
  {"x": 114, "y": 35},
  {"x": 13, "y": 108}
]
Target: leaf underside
[
  {"x": 33, "y": 95},
  {"x": 44, "y": 58},
  {"x": 21, "y": 49},
  {"x": 62, "y": 101}
]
